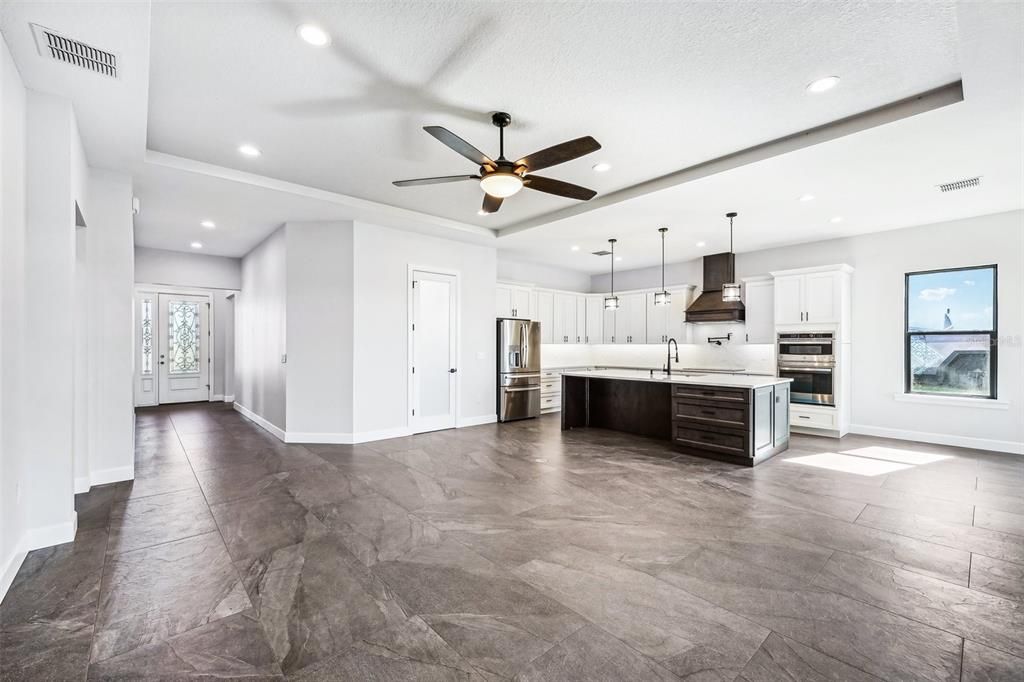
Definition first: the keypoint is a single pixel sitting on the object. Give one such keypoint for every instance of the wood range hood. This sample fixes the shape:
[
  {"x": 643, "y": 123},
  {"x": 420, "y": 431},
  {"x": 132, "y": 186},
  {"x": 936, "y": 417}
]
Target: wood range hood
[{"x": 719, "y": 268}]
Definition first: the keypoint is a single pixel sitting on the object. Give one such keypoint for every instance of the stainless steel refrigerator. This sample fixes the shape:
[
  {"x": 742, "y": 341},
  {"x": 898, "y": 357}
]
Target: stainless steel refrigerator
[{"x": 518, "y": 369}]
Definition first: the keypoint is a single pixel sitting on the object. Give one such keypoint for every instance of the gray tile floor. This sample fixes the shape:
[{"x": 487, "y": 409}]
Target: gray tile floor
[{"x": 517, "y": 551}]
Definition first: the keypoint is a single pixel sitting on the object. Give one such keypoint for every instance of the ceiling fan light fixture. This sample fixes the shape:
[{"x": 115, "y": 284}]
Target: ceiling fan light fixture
[{"x": 501, "y": 185}]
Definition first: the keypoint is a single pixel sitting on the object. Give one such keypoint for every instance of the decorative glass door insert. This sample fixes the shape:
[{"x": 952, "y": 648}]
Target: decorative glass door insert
[{"x": 183, "y": 337}]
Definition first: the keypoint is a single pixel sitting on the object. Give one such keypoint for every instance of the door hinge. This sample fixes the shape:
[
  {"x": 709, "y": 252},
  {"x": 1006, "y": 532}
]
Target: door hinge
[
  {"x": 414, "y": 413},
  {"x": 414, "y": 370},
  {"x": 414, "y": 326},
  {"x": 414, "y": 284}
]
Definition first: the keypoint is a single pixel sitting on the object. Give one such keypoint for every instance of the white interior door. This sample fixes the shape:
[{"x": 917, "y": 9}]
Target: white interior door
[
  {"x": 434, "y": 351},
  {"x": 183, "y": 362}
]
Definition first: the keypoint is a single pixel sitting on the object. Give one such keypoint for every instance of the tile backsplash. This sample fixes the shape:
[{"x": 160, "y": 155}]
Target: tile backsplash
[{"x": 755, "y": 358}]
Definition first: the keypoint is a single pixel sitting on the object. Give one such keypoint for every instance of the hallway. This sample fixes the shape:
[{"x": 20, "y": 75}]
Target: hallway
[{"x": 517, "y": 550}]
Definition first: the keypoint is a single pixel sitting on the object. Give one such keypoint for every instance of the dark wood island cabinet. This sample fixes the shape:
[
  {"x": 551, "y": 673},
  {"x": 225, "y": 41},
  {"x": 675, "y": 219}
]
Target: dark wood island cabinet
[{"x": 739, "y": 419}]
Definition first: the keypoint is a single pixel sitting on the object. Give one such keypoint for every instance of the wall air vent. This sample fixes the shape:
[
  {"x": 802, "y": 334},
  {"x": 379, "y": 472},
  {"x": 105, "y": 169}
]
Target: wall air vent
[
  {"x": 960, "y": 184},
  {"x": 70, "y": 51},
  {"x": 602, "y": 252}
]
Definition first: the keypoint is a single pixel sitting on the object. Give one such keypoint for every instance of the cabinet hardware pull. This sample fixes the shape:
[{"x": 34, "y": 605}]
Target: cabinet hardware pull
[
  {"x": 803, "y": 416},
  {"x": 711, "y": 412}
]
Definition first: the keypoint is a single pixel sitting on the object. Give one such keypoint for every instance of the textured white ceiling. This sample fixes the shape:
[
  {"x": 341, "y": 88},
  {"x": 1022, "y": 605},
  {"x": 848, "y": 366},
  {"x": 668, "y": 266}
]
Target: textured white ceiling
[
  {"x": 875, "y": 180},
  {"x": 661, "y": 85},
  {"x": 111, "y": 112}
]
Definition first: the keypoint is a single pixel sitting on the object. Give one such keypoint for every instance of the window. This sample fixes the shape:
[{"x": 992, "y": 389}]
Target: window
[{"x": 951, "y": 323}]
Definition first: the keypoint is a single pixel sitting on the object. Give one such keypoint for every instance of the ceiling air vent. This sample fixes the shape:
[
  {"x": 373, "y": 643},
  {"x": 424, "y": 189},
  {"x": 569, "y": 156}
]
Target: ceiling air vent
[
  {"x": 70, "y": 51},
  {"x": 602, "y": 253},
  {"x": 960, "y": 184}
]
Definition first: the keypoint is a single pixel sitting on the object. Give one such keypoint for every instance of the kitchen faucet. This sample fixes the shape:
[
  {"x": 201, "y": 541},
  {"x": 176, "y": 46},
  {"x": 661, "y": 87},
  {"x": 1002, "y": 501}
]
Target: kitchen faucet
[{"x": 668, "y": 366}]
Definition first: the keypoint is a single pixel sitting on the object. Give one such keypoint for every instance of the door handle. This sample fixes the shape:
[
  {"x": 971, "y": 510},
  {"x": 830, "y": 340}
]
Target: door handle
[
  {"x": 520, "y": 390},
  {"x": 452, "y": 370}
]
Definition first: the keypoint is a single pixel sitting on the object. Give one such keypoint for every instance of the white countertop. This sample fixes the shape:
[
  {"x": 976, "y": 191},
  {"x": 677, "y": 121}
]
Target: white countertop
[{"x": 730, "y": 380}]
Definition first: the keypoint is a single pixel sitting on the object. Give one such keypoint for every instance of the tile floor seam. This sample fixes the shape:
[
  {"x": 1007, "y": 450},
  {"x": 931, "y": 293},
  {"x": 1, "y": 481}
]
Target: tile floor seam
[
  {"x": 99, "y": 593},
  {"x": 915, "y": 620},
  {"x": 961, "y": 549}
]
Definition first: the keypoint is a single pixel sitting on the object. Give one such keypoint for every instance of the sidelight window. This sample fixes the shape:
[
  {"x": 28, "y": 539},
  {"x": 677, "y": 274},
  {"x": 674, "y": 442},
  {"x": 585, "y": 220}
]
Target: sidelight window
[{"x": 951, "y": 332}]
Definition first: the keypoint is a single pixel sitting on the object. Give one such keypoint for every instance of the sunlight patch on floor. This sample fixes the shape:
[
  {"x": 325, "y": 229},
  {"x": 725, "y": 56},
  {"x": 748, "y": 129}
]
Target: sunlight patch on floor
[
  {"x": 897, "y": 455},
  {"x": 849, "y": 464}
]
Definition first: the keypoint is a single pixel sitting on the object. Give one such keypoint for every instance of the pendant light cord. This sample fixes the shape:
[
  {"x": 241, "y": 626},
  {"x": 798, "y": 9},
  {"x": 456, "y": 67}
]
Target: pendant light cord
[{"x": 663, "y": 260}]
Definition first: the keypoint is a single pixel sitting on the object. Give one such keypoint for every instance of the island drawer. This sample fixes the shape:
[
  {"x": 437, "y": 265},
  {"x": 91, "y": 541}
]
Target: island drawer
[
  {"x": 717, "y": 441},
  {"x": 712, "y": 414},
  {"x": 702, "y": 393}
]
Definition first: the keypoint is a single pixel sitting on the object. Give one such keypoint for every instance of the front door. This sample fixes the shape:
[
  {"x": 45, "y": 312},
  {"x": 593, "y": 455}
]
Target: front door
[
  {"x": 434, "y": 351},
  {"x": 183, "y": 348}
]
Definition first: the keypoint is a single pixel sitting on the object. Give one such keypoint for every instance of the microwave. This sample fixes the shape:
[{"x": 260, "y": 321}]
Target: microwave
[{"x": 801, "y": 347}]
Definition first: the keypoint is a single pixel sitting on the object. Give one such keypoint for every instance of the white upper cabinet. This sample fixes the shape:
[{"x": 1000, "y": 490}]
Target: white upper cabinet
[
  {"x": 821, "y": 300},
  {"x": 789, "y": 299},
  {"x": 666, "y": 322},
  {"x": 759, "y": 301},
  {"x": 503, "y": 298},
  {"x": 564, "y": 329},
  {"x": 581, "y": 319},
  {"x": 595, "y": 320},
  {"x": 513, "y": 301},
  {"x": 545, "y": 314},
  {"x": 630, "y": 319},
  {"x": 657, "y": 321},
  {"x": 814, "y": 297}
]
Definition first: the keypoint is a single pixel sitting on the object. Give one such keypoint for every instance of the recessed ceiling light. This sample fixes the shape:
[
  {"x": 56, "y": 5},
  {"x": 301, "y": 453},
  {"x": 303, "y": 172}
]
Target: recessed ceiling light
[
  {"x": 208, "y": 224},
  {"x": 196, "y": 245},
  {"x": 823, "y": 84},
  {"x": 837, "y": 219},
  {"x": 602, "y": 167},
  {"x": 249, "y": 150},
  {"x": 807, "y": 197},
  {"x": 314, "y": 35},
  {"x": 574, "y": 247},
  {"x": 618, "y": 258},
  {"x": 701, "y": 244}
]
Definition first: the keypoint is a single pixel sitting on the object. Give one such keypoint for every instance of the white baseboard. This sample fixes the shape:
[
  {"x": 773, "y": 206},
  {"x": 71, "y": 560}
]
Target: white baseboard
[
  {"x": 102, "y": 477},
  {"x": 217, "y": 397},
  {"x": 35, "y": 538},
  {"x": 276, "y": 431},
  {"x": 941, "y": 439},
  {"x": 476, "y": 421},
  {"x": 11, "y": 568},
  {"x": 229, "y": 398},
  {"x": 381, "y": 434}
]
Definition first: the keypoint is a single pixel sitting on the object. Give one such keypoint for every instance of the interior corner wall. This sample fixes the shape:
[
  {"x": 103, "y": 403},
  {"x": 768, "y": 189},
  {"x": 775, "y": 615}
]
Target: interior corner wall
[
  {"x": 14, "y": 460},
  {"x": 319, "y": 301},
  {"x": 49, "y": 287},
  {"x": 260, "y": 340},
  {"x": 382, "y": 258},
  {"x": 110, "y": 283}
]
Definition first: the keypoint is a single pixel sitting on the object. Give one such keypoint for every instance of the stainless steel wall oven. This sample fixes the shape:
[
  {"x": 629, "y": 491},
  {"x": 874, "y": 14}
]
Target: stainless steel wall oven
[{"x": 808, "y": 358}]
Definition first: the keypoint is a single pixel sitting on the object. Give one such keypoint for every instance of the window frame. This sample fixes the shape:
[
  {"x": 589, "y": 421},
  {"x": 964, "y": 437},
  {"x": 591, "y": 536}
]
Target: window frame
[{"x": 993, "y": 334}]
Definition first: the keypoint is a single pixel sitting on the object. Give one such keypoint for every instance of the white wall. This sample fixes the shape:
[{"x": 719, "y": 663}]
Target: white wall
[
  {"x": 49, "y": 322},
  {"x": 220, "y": 277},
  {"x": 176, "y": 268},
  {"x": 510, "y": 270},
  {"x": 881, "y": 261},
  {"x": 319, "y": 302},
  {"x": 260, "y": 385},
  {"x": 382, "y": 260},
  {"x": 14, "y": 464},
  {"x": 110, "y": 268}
]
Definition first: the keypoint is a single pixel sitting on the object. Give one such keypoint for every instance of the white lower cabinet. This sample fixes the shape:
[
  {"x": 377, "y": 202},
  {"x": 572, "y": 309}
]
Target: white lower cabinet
[{"x": 550, "y": 391}]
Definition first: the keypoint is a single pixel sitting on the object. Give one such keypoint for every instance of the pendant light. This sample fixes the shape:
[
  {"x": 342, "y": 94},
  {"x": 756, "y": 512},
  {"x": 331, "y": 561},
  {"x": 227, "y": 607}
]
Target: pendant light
[
  {"x": 611, "y": 301},
  {"x": 731, "y": 291},
  {"x": 662, "y": 297}
]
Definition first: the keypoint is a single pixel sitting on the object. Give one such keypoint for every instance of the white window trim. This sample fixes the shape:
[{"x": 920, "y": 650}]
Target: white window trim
[{"x": 952, "y": 401}]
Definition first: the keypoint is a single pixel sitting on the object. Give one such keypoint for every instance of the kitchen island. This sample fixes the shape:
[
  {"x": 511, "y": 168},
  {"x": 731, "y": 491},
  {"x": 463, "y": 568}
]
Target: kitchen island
[{"x": 742, "y": 419}]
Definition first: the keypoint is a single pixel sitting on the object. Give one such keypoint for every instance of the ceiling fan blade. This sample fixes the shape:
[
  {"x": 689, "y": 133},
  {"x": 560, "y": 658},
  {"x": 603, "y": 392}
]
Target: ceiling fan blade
[
  {"x": 559, "y": 188},
  {"x": 434, "y": 181},
  {"x": 491, "y": 204},
  {"x": 453, "y": 141},
  {"x": 560, "y": 153}
]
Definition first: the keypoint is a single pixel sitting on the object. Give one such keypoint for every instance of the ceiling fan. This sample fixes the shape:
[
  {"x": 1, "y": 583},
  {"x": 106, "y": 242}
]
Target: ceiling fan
[{"x": 502, "y": 178}]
